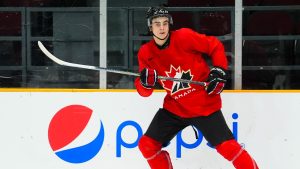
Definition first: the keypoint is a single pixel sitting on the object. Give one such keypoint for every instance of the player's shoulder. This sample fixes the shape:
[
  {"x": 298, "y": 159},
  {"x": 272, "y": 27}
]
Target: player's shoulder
[
  {"x": 185, "y": 34},
  {"x": 145, "y": 49},
  {"x": 184, "y": 31}
]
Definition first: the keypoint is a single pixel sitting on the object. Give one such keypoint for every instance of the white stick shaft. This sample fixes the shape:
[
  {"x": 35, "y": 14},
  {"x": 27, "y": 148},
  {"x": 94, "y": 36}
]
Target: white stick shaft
[
  {"x": 5, "y": 77},
  {"x": 64, "y": 63}
]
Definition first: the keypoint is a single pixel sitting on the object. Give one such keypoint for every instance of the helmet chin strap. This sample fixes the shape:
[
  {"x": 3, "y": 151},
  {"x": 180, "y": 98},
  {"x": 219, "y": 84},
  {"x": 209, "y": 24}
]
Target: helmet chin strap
[{"x": 160, "y": 38}]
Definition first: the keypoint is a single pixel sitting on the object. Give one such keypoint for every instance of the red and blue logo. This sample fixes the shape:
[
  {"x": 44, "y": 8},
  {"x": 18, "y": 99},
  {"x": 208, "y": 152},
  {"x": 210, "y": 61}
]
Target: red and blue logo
[{"x": 75, "y": 134}]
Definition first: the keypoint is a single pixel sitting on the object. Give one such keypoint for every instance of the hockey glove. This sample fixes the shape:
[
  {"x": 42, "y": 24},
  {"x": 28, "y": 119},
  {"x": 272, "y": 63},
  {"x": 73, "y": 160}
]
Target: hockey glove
[
  {"x": 148, "y": 77},
  {"x": 216, "y": 80}
]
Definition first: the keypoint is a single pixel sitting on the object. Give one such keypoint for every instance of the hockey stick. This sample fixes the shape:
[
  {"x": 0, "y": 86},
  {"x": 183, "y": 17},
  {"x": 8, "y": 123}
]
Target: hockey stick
[
  {"x": 64, "y": 63},
  {"x": 5, "y": 77}
]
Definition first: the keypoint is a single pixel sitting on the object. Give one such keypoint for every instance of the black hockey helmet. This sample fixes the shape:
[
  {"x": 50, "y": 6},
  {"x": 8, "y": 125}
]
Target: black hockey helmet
[{"x": 154, "y": 12}]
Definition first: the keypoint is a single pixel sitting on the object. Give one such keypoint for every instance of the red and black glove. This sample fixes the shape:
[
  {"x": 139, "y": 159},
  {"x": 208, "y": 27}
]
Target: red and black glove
[
  {"x": 216, "y": 80},
  {"x": 148, "y": 77}
]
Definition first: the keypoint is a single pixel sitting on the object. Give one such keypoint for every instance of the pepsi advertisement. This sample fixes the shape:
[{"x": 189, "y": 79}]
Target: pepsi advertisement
[{"x": 101, "y": 129}]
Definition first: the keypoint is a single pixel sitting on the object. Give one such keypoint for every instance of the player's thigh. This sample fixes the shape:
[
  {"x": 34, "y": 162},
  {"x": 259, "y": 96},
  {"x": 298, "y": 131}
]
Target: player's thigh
[
  {"x": 164, "y": 126},
  {"x": 214, "y": 128}
]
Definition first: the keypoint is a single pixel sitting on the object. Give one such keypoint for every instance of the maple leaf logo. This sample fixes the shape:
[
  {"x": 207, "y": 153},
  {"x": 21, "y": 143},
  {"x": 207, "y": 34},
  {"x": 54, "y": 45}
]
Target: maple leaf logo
[{"x": 173, "y": 86}]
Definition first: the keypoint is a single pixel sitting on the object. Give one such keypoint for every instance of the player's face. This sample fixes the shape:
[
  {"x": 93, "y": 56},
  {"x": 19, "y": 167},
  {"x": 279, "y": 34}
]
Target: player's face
[{"x": 160, "y": 27}]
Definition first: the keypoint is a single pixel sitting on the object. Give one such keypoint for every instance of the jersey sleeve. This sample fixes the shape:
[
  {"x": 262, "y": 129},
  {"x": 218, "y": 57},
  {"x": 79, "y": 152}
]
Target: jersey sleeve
[
  {"x": 209, "y": 45},
  {"x": 145, "y": 92}
]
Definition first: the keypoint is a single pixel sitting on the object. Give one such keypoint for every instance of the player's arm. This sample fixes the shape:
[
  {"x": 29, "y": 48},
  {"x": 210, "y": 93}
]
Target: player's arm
[
  {"x": 214, "y": 48},
  {"x": 218, "y": 73},
  {"x": 148, "y": 77}
]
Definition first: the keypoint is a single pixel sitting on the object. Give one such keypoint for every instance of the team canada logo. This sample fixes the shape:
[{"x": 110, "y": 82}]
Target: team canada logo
[{"x": 174, "y": 87}]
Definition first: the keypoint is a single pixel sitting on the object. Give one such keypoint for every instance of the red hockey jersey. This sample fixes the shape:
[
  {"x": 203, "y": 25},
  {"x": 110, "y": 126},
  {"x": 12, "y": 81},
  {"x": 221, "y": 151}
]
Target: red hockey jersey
[{"x": 183, "y": 58}]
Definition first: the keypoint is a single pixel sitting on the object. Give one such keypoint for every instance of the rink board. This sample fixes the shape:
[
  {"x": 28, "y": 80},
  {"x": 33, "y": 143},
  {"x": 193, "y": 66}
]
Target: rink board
[{"x": 265, "y": 123}]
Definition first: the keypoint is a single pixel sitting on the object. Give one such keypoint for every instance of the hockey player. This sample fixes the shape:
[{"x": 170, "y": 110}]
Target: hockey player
[{"x": 180, "y": 54}]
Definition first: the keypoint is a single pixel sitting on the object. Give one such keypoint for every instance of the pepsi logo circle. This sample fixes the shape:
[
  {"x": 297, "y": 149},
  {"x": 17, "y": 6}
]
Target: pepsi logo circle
[{"x": 76, "y": 134}]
